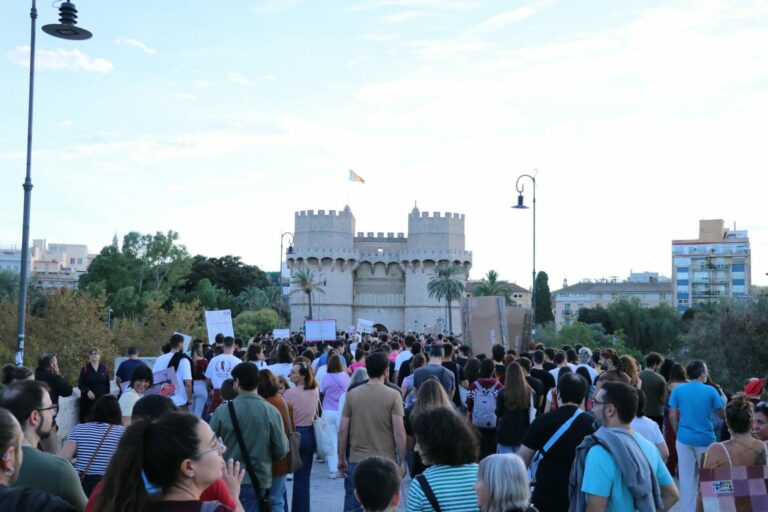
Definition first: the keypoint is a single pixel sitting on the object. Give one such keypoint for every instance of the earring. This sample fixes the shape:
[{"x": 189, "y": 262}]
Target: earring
[{"x": 10, "y": 472}]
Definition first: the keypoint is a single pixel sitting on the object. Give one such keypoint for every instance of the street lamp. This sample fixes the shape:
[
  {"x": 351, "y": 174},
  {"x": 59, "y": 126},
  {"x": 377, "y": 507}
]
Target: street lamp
[
  {"x": 66, "y": 29},
  {"x": 290, "y": 251},
  {"x": 520, "y": 206}
]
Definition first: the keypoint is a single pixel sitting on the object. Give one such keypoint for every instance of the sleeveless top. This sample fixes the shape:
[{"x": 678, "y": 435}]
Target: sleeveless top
[{"x": 728, "y": 455}]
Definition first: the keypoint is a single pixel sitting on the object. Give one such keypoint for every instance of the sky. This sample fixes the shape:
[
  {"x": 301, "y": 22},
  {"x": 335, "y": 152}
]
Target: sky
[{"x": 638, "y": 118}]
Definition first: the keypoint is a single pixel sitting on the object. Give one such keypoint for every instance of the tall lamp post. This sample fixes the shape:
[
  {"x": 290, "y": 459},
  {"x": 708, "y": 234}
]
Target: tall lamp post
[
  {"x": 520, "y": 206},
  {"x": 290, "y": 251},
  {"x": 66, "y": 29}
]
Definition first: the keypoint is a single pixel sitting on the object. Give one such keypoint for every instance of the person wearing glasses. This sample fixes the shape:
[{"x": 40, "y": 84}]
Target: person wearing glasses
[
  {"x": 30, "y": 402},
  {"x": 185, "y": 457}
]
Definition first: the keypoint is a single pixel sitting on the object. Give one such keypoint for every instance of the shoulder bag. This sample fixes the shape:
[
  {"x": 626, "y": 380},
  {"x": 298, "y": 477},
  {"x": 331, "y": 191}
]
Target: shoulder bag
[
  {"x": 552, "y": 440},
  {"x": 294, "y": 441},
  {"x": 263, "y": 498},
  {"x": 323, "y": 438},
  {"x": 428, "y": 492},
  {"x": 95, "y": 452}
]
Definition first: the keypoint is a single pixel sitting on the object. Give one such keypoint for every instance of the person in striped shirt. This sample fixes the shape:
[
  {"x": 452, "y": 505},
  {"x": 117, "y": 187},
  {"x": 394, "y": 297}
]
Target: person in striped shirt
[{"x": 447, "y": 441}]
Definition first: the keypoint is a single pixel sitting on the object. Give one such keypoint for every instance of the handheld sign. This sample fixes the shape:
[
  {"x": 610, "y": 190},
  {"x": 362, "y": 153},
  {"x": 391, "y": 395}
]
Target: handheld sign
[
  {"x": 320, "y": 330},
  {"x": 364, "y": 326},
  {"x": 219, "y": 322}
]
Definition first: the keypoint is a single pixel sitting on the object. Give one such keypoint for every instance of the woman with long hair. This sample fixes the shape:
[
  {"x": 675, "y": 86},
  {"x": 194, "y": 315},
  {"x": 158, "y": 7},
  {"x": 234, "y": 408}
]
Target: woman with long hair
[
  {"x": 513, "y": 409},
  {"x": 332, "y": 390},
  {"x": 166, "y": 465},
  {"x": 305, "y": 398},
  {"x": 93, "y": 382},
  {"x": 269, "y": 390},
  {"x": 632, "y": 369},
  {"x": 431, "y": 394},
  {"x": 199, "y": 386},
  {"x": 676, "y": 377},
  {"x": 502, "y": 485},
  {"x": 91, "y": 445},
  {"x": 255, "y": 355},
  {"x": 141, "y": 380},
  {"x": 448, "y": 443}
]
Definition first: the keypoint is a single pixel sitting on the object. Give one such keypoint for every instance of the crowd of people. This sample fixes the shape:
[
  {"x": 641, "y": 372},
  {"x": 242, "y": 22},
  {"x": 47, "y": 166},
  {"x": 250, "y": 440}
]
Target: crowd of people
[{"x": 543, "y": 429}]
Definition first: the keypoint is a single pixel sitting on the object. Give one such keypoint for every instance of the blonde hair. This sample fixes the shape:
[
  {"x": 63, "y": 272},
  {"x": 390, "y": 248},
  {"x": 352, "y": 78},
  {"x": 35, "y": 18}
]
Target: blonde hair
[
  {"x": 430, "y": 395},
  {"x": 506, "y": 481}
]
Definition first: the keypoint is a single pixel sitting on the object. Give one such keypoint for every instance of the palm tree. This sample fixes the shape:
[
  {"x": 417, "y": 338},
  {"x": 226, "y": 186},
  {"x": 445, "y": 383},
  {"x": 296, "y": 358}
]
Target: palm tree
[
  {"x": 445, "y": 284},
  {"x": 491, "y": 286},
  {"x": 306, "y": 283},
  {"x": 252, "y": 298}
]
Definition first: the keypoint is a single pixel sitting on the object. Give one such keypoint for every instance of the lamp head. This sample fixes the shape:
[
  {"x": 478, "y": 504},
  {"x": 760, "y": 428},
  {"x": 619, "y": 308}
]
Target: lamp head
[
  {"x": 67, "y": 27},
  {"x": 290, "y": 249},
  {"x": 520, "y": 205}
]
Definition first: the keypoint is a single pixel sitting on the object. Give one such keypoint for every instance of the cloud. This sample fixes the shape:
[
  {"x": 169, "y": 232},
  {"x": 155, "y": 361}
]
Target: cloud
[
  {"x": 402, "y": 16},
  {"x": 504, "y": 19},
  {"x": 60, "y": 59},
  {"x": 244, "y": 80},
  {"x": 126, "y": 41},
  {"x": 66, "y": 124}
]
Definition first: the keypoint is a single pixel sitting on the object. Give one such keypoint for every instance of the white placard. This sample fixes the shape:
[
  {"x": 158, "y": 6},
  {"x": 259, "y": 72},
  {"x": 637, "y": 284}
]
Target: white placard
[
  {"x": 364, "y": 326},
  {"x": 351, "y": 330},
  {"x": 279, "y": 334},
  {"x": 320, "y": 330},
  {"x": 219, "y": 322}
]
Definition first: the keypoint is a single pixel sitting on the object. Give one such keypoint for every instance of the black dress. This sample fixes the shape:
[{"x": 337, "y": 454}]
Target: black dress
[{"x": 96, "y": 381}]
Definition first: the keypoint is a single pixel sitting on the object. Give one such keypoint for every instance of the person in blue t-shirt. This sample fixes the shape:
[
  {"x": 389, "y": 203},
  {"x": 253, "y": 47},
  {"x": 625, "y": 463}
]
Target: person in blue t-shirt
[
  {"x": 695, "y": 401},
  {"x": 124, "y": 371},
  {"x": 603, "y": 481}
]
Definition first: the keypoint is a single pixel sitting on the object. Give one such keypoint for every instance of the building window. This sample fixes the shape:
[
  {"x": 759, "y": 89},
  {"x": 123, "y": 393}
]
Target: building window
[
  {"x": 379, "y": 251},
  {"x": 682, "y": 282},
  {"x": 79, "y": 261},
  {"x": 738, "y": 282},
  {"x": 71, "y": 261}
]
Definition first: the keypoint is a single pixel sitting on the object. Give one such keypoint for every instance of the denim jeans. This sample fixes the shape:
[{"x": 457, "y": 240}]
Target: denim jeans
[
  {"x": 277, "y": 493},
  {"x": 248, "y": 498},
  {"x": 300, "y": 501},
  {"x": 350, "y": 502}
]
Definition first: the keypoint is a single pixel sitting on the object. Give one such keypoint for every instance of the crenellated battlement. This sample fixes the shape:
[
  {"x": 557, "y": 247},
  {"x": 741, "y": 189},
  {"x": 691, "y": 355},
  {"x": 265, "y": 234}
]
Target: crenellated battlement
[
  {"x": 435, "y": 215},
  {"x": 369, "y": 236}
]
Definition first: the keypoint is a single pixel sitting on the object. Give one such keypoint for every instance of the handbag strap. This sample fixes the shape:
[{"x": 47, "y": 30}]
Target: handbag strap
[
  {"x": 241, "y": 442},
  {"x": 428, "y": 492},
  {"x": 288, "y": 415},
  {"x": 565, "y": 426},
  {"x": 96, "y": 451}
]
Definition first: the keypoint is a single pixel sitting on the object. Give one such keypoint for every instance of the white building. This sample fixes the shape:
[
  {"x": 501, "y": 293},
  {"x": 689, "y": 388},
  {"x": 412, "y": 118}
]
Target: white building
[{"x": 382, "y": 278}]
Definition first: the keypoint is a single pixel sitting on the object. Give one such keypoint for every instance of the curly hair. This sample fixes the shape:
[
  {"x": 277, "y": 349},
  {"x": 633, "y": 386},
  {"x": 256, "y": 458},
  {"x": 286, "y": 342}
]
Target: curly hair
[
  {"x": 445, "y": 437},
  {"x": 739, "y": 414}
]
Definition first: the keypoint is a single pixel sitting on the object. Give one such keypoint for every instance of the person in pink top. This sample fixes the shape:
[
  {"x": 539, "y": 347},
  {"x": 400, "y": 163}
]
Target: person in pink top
[
  {"x": 305, "y": 398},
  {"x": 359, "y": 361},
  {"x": 332, "y": 389}
]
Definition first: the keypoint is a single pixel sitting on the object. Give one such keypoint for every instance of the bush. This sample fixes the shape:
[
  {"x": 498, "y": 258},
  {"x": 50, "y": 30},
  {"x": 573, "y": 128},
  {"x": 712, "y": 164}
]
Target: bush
[{"x": 250, "y": 323}]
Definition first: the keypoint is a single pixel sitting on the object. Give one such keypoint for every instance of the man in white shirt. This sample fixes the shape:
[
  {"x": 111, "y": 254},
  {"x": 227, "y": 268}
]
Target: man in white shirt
[
  {"x": 405, "y": 355},
  {"x": 181, "y": 362},
  {"x": 220, "y": 369}
]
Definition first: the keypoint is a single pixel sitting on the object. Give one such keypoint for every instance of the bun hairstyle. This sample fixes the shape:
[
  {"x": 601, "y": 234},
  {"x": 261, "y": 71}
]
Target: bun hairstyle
[{"x": 739, "y": 414}]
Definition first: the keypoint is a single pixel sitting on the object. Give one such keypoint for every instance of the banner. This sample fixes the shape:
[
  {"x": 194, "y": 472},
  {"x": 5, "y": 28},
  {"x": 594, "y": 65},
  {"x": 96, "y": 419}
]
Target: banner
[
  {"x": 364, "y": 326},
  {"x": 219, "y": 322},
  {"x": 320, "y": 330},
  {"x": 279, "y": 334}
]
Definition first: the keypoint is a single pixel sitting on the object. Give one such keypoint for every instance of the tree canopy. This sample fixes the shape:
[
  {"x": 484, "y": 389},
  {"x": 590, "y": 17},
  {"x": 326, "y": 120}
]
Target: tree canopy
[
  {"x": 446, "y": 284},
  {"x": 543, "y": 299},
  {"x": 492, "y": 286}
]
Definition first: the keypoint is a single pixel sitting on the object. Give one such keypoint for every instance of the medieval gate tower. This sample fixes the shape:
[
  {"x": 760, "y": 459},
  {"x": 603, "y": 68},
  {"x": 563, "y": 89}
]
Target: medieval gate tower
[{"x": 379, "y": 278}]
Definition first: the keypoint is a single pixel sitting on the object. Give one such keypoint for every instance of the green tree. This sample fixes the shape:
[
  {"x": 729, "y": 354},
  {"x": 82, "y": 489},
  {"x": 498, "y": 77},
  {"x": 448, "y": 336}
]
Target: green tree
[
  {"x": 543, "y": 298},
  {"x": 491, "y": 286},
  {"x": 9, "y": 286},
  {"x": 732, "y": 337},
  {"x": 305, "y": 282},
  {"x": 252, "y": 298},
  {"x": 228, "y": 273},
  {"x": 164, "y": 264},
  {"x": 250, "y": 323},
  {"x": 446, "y": 284}
]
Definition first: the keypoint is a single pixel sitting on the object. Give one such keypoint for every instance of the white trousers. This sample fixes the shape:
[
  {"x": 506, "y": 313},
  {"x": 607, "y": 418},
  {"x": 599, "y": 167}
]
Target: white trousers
[
  {"x": 688, "y": 465},
  {"x": 333, "y": 419}
]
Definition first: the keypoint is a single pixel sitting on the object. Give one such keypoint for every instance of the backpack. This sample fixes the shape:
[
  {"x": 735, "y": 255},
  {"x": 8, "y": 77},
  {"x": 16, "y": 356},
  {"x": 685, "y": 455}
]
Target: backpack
[{"x": 484, "y": 410}]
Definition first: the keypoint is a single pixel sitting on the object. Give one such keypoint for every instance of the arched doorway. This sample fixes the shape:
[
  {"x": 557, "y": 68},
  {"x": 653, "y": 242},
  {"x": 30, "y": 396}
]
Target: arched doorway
[{"x": 380, "y": 327}]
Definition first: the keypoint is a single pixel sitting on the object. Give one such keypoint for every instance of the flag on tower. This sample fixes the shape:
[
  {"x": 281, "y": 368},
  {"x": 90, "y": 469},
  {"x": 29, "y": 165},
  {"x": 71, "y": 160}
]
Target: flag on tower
[{"x": 353, "y": 176}]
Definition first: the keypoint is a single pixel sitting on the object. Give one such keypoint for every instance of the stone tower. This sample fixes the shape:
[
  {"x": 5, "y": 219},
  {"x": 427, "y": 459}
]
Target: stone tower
[{"x": 379, "y": 277}]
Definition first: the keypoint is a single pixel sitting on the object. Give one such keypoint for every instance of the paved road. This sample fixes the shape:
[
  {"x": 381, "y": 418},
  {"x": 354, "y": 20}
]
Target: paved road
[{"x": 328, "y": 495}]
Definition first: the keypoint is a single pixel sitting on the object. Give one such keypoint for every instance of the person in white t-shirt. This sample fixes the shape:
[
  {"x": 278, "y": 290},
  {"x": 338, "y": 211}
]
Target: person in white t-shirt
[
  {"x": 648, "y": 428},
  {"x": 405, "y": 355},
  {"x": 220, "y": 369},
  {"x": 183, "y": 396}
]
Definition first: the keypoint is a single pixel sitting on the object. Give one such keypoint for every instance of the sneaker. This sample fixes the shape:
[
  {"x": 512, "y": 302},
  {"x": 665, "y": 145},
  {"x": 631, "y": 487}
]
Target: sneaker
[
  {"x": 289, "y": 477},
  {"x": 321, "y": 460},
  {"x": 333, "y": 475}
]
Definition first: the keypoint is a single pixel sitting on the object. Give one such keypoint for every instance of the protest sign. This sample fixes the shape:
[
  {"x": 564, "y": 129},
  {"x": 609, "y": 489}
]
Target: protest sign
[
  {"x": 281, "y": 333},
  {"x": 219, "y": 322},
  {"x": 320, "y": 330},
  {"x": 364, "y": 326}
]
